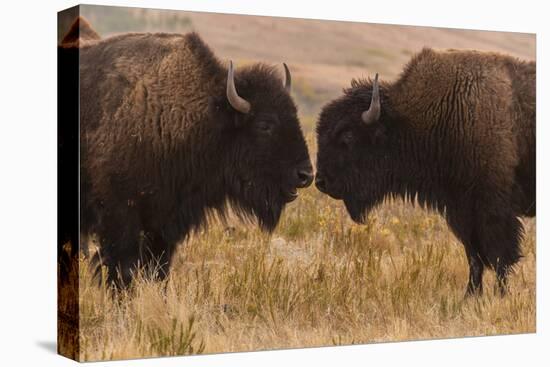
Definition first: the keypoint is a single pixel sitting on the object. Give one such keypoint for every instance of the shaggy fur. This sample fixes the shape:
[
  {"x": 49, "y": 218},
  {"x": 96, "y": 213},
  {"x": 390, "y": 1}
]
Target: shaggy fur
[
  {"x": 457, "y": 133},
  {"x": 162, "y": 149}
]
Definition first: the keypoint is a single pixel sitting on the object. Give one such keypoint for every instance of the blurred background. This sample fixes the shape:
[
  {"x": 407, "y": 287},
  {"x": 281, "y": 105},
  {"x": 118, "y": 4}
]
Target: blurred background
[{"x": 323, "y": 55}]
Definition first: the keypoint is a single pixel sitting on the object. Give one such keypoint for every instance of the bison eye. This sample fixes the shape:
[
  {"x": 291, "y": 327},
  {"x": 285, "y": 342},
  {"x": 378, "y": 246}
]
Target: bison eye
[
  {"x": 345, "y": 139},
  {"x": 264, "y": 126}
]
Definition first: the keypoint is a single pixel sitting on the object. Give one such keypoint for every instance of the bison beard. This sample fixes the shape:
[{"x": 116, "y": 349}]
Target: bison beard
[
  {"x": 264, "y": 204},
  {"x": 456, "y": 134},
  {"x": 170, "y": 138},
  {"x": 358, "y": 209}
]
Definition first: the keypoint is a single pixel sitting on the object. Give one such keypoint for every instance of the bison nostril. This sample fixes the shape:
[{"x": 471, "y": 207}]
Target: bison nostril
[{"x": 305, "y": 177}]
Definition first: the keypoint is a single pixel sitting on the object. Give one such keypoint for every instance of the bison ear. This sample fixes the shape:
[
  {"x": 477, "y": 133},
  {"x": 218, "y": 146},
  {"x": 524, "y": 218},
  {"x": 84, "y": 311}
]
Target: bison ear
[
  {"x": 221, "y": 110},
  {"x": 379, "y": 134}
]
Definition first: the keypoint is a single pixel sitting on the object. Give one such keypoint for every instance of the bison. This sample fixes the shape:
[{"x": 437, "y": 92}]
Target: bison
[
  {"x": 170, "y": 136},
  {"x": 455, "y": 133}
]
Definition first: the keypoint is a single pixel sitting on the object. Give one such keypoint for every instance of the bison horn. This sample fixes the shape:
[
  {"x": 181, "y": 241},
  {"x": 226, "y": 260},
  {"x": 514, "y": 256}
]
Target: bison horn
[
  {"x": 237, "y": 102},
  {"x": 373, "y": 113},
  {"x": 288, "y": 79}
]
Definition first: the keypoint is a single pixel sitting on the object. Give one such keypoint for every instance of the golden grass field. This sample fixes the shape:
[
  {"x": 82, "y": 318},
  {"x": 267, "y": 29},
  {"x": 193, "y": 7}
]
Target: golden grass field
[{"x": 319, "y": 279}]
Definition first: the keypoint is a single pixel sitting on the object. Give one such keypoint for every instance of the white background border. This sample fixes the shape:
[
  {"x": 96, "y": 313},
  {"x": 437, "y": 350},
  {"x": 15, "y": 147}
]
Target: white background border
[{"x": 28, "y": 182}]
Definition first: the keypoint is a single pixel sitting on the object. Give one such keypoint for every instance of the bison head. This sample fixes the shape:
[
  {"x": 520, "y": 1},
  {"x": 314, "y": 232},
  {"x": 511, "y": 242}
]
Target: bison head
[
  {"x": 265, "y": 155},
  {"x": 354, "y": 159}
]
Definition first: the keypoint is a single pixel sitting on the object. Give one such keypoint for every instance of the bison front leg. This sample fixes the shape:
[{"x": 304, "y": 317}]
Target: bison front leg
[
  {"x": 119, "y": 236},
  {"x": 463, "y": 226},
  {"x": 499, "y": 233},
  {"x": 121, "y": 256},
  {"x": 475, "y": 278},
  {"x": 157, "y": 254}
]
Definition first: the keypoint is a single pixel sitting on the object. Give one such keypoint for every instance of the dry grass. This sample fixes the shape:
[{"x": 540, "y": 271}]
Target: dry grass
[{"x": 318, "y": 280}]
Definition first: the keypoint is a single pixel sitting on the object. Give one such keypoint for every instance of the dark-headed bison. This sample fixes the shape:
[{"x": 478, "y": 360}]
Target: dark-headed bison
[
  {"x": 170, "y": 136},
  {"x": 456, "y": 132}
]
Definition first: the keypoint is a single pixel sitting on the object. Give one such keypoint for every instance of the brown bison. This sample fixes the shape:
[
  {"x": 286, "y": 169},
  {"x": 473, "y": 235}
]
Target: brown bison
[
  {"x": 455, "y": 132},
  {"x": 170, "y": 136}
]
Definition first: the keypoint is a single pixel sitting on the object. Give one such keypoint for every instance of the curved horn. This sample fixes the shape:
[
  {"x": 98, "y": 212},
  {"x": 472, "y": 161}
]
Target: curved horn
[
  {"x": 238, "y": 103},
  {"x": 288, "y": 79},
  {"x": 373, "y": 113}
]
